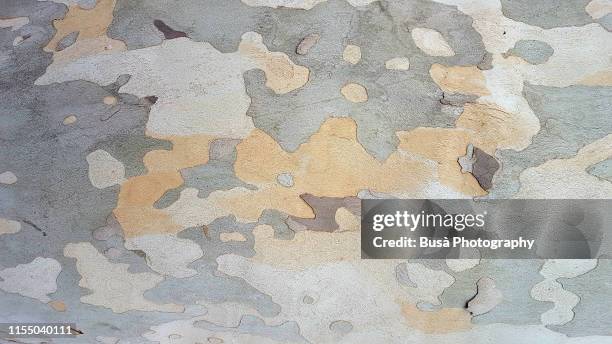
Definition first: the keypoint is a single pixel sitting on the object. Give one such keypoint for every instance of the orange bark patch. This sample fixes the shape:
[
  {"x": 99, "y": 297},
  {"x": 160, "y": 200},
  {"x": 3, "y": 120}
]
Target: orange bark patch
[
  {"x": 602, "y": 78},
  {"x": 91, "y": 23},
  {"x": 58, "y": 305},
  {"x": 444, "y": 320},
  {"x": 135, "y": 211},
  {"x": 334, "y": 164},
  {"x": 457, "y": 79}
]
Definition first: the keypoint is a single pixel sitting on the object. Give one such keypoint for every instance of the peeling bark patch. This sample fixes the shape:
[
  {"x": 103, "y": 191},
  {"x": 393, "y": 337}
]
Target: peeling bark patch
[
  {"x": 484, "y": 168},
  {"x": 480, "y": 164},
  {"x": 168, "y": 32},
  {"x": 307, "y": 43}
]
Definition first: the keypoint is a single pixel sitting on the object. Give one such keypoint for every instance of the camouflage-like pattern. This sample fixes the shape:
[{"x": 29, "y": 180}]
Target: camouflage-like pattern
[{"x": 190, "y": 172}]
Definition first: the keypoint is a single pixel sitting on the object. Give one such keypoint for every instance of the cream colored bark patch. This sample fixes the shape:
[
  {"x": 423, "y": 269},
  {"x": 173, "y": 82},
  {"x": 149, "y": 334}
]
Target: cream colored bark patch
[
  {"x": 354, "y": 93},
  {"x": 36, "y": 279},
  {"x": 167, "y": 254},
  {"x": 315, "y": 248},
  {"x": 431, "y": 42},
  {"x": 9, "y": 226},
  {"x": 8, "y": 177},
  {"x": 112, "y": 285},
  {"x": 568, "y": 178},
  {"x": 232, "y": 236},
  {"x": 398, "y": 63},
  {"x": 550, "y": 290},
  {"x": 104, "y": 170},
  {"x": 362, "y": 292},
  {"x": 352, "y": 54}
]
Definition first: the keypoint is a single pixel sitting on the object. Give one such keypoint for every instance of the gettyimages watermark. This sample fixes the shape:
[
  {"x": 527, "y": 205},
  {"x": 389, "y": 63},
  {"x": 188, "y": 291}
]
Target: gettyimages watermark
[{"x": 461, "y": 228}]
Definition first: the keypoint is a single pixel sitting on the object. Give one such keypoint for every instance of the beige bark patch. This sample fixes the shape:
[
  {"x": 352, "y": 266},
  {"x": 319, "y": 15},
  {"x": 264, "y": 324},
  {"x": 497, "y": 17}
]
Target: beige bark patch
[
  {"x": 443, "y": 146},
  {"x": 109, "y": 100},
  {"x": 87, "y": 47},
  {"x": 346, "y": 220},
  {"x": 352, "y": 54},
  {"x": 431, "y": 42},
  {"x": 599, "y": 8},
  {"x": 354, "y": 93},
  {"x": 458, "y": 79},
  {"x": 58, "y": 306},
  {"x": 9, "y": 226},
  {"x": 69, "y": 120},
  {"x": 444, "y": 320},
  {"x": 112, "y": 285},
  {"x": 232, "y": 236},
  {"x": 492, "y": 128},
  {"x": 282, "y": 75},
  {"x": 91, "y": 23},
  {"x": 602, "y": 78},
  {"x": 398, "y": 63}
]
